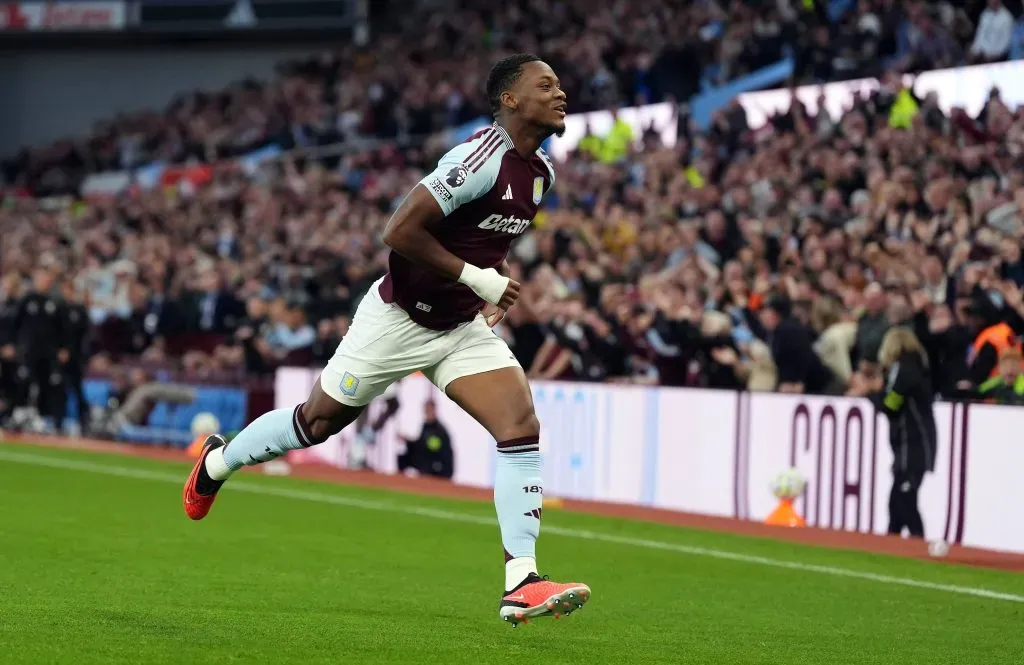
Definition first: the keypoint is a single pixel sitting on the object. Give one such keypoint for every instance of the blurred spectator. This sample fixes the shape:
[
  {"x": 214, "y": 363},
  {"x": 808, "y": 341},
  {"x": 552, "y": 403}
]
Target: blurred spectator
[
  {"x": 836, "y": 337},
  {"x": 816, "y": 57},
  {"x": 40, "y": 332},
  {"x": 430, "y": 453},
  {"x": 800, "y": 369},
  {"x": 871, "y": 328},
  {"x": 132, "y": 398},
  {"x": 10, "y": 381},
  {"x": 291, "y": 331},
  {"x": 327, "y": 340},
  {"x": 992, "y": 38},
  {"x": 1007, "y": 386},
  {"x": 931, "y": 46},
  {"x": 79, "y": 333}
]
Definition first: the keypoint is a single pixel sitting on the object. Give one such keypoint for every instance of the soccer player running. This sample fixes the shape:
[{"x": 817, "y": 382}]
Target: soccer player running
[{"x": 446, "y": 286}]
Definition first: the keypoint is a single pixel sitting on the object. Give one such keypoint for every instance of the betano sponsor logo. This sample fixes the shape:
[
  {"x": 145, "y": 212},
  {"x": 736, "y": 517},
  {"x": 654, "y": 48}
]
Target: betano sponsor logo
[{"x": 510, "y": 225}]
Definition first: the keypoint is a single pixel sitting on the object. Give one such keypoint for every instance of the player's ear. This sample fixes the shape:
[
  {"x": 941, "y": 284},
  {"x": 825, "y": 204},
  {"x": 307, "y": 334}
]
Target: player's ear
[{"x": 509, "y": 100}]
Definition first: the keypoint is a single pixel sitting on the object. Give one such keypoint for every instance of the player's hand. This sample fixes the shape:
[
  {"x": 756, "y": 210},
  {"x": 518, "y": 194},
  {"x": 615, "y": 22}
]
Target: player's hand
[
  {"x": 510, "y": 297},
  {"x": 7, "y": 352},
  {"x": 493, "y": 315},
  {"x": 63, "y": 356}
]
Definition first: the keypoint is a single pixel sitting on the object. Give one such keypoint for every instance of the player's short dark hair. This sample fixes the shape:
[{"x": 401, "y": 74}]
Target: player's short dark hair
[{"x": 503, "y": 76}]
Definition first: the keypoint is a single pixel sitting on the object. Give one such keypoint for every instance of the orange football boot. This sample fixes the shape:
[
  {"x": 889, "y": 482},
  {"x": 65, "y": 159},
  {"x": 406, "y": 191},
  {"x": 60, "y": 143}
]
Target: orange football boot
[
  {"x": 198, "y": 505},
  {"x": 538, "y": 596}
]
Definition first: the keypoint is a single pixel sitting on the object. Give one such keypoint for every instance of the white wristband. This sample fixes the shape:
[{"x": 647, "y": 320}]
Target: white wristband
[{"x": 489, "y": 284}]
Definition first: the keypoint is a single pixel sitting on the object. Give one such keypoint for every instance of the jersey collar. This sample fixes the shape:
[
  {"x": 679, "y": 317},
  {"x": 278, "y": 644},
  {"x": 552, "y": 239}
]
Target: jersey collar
[{"x": 504, "y": 136}]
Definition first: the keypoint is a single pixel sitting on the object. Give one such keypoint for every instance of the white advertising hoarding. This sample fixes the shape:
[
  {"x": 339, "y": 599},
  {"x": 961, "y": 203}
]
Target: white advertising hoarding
[
  {"x": 716, "y": 453},
  {"x": 995, "y": 468},
  {"x": 842, "y": 448}
]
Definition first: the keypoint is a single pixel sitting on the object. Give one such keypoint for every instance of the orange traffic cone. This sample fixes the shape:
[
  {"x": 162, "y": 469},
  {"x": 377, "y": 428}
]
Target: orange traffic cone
[
  {"x": 196, "y": 446},
  {"x": 785, "y": 515}
]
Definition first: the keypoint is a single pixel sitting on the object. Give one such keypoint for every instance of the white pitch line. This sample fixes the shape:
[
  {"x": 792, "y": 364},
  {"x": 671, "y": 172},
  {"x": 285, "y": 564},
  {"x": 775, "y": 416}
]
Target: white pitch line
[{"x": 319, "y": 497}]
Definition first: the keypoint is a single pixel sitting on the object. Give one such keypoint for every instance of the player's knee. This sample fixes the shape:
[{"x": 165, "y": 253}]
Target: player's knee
[
  {"x": 525, "y": 424},
  {"x": 322, "y": 428},
  {"x": 531, "y": 424},
  {"x": 320, "y": 431}
]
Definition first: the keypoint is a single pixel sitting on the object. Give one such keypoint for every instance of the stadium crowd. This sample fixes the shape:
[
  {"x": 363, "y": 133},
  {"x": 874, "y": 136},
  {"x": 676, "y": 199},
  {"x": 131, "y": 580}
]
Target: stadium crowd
[
  {"x": 765, "y": 258},
  {"x": 607, "y": 55}
]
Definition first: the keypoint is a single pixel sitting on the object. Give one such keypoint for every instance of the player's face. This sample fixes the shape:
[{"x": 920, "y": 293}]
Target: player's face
[{"x": 540, "y": 97}]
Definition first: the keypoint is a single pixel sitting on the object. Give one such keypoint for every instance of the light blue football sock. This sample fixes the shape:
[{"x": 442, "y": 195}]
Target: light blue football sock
[
  {"x": 518, "y": 500},
  {"x": 269, "y": 436}
]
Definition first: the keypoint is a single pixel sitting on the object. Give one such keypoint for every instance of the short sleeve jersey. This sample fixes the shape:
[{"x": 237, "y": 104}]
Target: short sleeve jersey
[{"x": 489, "y": 194}]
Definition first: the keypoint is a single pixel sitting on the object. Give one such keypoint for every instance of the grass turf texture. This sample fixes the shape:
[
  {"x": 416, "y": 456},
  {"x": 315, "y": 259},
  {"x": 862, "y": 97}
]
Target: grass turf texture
[{"x": 100, "y": 568}]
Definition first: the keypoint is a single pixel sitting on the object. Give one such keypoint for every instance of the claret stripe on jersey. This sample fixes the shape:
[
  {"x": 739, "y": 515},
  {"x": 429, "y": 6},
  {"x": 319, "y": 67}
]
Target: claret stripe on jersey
[
  {"x": 488, "y": 139},
  {"x": 490, "y": 152}
]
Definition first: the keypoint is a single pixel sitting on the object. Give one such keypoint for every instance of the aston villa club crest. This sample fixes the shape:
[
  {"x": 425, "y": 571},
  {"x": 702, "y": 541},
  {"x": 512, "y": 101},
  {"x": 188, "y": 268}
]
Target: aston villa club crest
[
  {"x": 538, "y": 190},
  {"x": 349, "y": 384}
]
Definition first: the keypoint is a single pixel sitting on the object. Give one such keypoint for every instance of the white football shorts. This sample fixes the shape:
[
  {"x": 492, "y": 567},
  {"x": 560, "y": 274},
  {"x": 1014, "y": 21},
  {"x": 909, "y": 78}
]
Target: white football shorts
[{"x": 384, "y": 345}]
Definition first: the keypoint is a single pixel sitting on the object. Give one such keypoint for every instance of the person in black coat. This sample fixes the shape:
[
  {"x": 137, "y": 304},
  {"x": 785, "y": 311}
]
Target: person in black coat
[
  {"x": 946, "y": 342},
  {"x": 906, "y": 397},
  {"x": 800, "y": 370},
  {"x": 38, "y": 330},
  {"x": 77, "y": 330},
  {"x": 431, "y": 452}
]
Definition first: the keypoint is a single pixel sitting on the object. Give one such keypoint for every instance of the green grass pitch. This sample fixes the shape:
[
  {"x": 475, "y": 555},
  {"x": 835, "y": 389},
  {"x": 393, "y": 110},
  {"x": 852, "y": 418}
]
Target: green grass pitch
[{"x": 98, "y": 564}]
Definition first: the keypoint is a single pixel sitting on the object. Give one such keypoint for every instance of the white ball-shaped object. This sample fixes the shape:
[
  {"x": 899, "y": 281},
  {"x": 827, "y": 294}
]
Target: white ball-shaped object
[
  {"x": 938, "y": 548},
  {"x": 788, "y": 484},
  {"x": 205, "y": 423}
]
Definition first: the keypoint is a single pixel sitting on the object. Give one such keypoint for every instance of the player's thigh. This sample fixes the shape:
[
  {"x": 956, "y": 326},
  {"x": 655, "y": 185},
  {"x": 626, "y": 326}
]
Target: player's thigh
[
  {"x": 382, "y": 346},
  {"x": 482, "y": 376}
]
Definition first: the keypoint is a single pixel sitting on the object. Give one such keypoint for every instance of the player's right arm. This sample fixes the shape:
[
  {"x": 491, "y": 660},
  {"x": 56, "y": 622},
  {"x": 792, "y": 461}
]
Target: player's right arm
[{"x": 451, "y": 185}]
